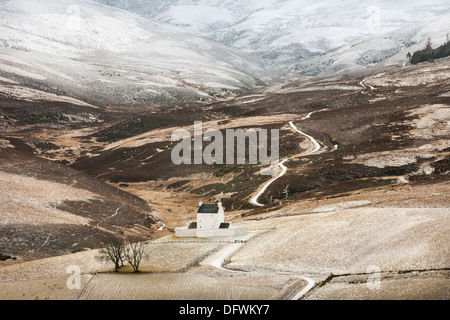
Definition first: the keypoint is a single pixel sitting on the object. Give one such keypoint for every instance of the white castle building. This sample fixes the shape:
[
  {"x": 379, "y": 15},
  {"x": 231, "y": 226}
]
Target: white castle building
[{"x": 210, "y": 223}]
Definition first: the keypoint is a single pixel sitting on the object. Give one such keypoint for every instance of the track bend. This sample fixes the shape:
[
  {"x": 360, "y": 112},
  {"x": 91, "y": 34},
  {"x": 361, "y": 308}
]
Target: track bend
[{"x": 317, "y": 147}]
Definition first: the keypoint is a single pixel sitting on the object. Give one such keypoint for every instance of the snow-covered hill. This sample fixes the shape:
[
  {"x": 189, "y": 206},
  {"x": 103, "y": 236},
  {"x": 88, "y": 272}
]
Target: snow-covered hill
[
  {"x": 288, "y": 33},
  {"x": 106, "y": 55},
  {"x": 140, "y": 51},
  {"x": 383, "y": 50}
]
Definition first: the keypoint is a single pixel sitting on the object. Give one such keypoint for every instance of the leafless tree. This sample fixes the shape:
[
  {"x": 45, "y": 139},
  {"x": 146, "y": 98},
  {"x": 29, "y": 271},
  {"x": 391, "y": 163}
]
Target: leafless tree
[
  {"x": 134, "y": 252},
  {"x": 114, "y": 251}
]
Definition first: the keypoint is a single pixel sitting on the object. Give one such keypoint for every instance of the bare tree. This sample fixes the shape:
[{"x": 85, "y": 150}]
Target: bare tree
[
  {"x": 114, "y": 252},
  {"x": 134, "y": 251}
]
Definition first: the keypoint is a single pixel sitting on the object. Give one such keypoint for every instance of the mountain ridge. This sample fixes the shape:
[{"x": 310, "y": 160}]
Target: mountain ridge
[
  {"x": 289, "y": 34},
  {"x": 87, "y": 48}
]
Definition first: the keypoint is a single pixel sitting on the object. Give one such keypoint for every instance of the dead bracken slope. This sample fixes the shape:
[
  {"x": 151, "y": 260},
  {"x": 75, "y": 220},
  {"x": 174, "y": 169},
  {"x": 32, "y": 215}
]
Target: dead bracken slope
[{"x": 50, "y": 209}]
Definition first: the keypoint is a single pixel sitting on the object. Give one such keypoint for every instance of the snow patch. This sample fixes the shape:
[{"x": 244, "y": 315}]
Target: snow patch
[
  {"x": 29, "y": 94},
  {"x": 342, "y": 206}
]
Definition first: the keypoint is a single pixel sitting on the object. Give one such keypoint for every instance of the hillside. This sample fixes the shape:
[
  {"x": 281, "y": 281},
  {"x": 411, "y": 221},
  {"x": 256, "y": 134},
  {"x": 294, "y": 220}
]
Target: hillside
[
  {"x": 93, "y": 52},
  {"x": 49, "y": 209},
  {"x": 291, "y": 35}
]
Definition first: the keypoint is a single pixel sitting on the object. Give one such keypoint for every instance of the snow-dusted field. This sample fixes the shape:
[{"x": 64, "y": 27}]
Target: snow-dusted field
[
  {"x": 204, "y": 285},
  {"x": 54, "y": 267},
  {"x": 162, "y": 277},
  {"x": 163, "y": 256},
  {"x": 351, "y": 240},
  {"x": 43, "y": 289},
  {"x": 387, "y": 286}
]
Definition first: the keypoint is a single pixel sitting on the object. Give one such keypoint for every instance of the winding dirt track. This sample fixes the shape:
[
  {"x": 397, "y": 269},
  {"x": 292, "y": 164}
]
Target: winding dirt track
[
  {"x": 254, "y": 200},
  {"x": 220, "y": 258}
]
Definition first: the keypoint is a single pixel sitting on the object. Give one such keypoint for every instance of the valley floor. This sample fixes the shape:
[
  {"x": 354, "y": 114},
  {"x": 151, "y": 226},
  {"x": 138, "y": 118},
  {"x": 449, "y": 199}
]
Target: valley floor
[{"x": 361, "y": 210}]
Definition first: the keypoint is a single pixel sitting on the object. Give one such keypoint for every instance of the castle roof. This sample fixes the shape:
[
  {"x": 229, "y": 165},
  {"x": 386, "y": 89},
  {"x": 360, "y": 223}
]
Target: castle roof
[{"x": 208, "y": 208}]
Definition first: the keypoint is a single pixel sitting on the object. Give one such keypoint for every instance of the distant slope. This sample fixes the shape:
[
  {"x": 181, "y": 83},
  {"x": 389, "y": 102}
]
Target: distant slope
[
  {"x": 104, "y": 55},
  {"x": 387, "y": 49},
  {"x": 291, "y": 32}
]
